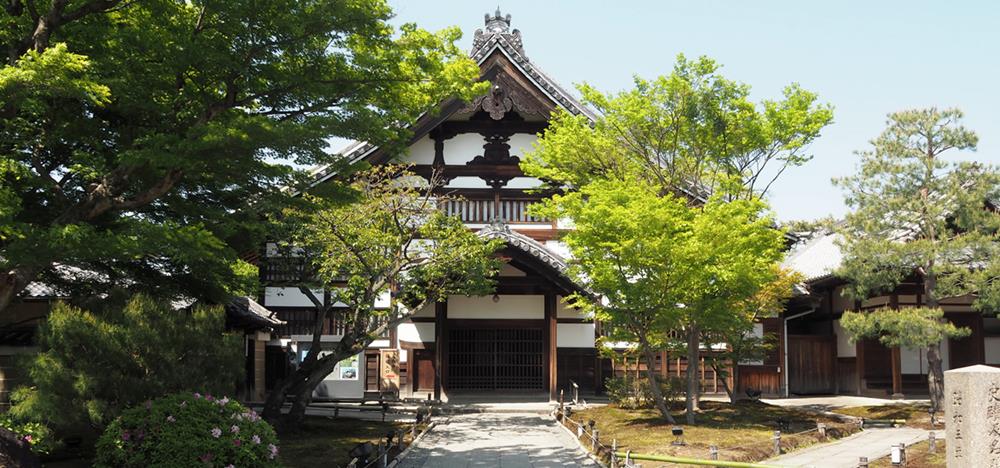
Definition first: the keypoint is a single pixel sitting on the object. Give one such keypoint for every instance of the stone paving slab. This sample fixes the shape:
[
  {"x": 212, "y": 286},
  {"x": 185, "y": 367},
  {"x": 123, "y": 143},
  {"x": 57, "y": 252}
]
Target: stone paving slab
[
  {"x": 493, "y": 440},
  {"x": 844, "y": 453}
]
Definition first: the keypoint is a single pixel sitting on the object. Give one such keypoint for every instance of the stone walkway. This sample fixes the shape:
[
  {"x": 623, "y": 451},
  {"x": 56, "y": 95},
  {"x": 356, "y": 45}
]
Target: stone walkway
[
  {"x": 496, "y": 440},
  {"x": 844, "y": 453}
]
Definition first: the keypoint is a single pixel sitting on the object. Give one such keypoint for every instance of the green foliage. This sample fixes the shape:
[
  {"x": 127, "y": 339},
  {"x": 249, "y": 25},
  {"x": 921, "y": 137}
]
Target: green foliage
[
  {"x": 37, "y": 435},
  {"x": 390, "y": 240},
  {"x": 916, "y": 213},
  {"x": 185, "y": 429},
  {"x": 692, "y": 132},
  {"x": 635, "y": 393},
  {"x": 394, "y": 237},
  {"x": 149, "y": 141},
  {"x": 913, "y": 210},
  {"x": 92, "y": 365},
  {"x": 908, "y": 327}
]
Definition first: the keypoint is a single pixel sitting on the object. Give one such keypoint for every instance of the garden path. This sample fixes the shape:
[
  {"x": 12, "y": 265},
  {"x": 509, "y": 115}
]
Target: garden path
[
  {"x": 496, "y": 440},
  {"x": 844, "y": 453}
]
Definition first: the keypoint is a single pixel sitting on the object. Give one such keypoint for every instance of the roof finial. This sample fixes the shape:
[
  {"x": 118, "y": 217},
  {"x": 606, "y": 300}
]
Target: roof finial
[
  {"x": 497, "y": 23},
  {"x": 497, "y": 26}
]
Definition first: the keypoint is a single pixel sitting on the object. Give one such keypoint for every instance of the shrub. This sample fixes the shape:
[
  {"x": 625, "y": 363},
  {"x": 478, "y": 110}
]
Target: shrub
[
  {"x": 183, "y": 430},
  {"x": 38, "y": 436},
  {"x": 635, "y": 393},
  {"x": 94, "y": 364}
]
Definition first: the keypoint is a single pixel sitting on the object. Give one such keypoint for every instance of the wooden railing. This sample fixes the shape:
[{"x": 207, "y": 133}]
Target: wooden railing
[
  {"x": 510, "y": 210},
  {"x": 282, "y": 269},
  {"x": 301, "y": 321}
]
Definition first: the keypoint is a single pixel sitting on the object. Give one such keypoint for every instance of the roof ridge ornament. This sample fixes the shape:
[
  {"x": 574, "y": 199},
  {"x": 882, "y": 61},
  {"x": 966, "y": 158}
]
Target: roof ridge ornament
[{"x": 497, "y": 28}]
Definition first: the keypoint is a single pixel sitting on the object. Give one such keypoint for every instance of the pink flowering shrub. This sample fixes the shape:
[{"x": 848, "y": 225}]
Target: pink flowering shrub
[{"x": 188, "y": 430}]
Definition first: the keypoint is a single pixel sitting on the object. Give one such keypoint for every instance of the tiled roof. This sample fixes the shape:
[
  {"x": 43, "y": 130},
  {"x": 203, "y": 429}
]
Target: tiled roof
[
  {"x": 525, "y": 243},
  {"x": 496, "y": 36},
  {"x": 246, "y": 309},
  {"x": 817, "y": 258}
]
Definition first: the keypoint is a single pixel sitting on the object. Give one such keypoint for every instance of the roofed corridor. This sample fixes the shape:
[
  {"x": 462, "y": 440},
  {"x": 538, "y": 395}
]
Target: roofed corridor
[{"x": 496, "y": 440}]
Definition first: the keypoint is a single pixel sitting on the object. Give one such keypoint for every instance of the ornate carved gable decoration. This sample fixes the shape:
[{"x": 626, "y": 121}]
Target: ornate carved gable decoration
[{"x": 504, "y": 96}]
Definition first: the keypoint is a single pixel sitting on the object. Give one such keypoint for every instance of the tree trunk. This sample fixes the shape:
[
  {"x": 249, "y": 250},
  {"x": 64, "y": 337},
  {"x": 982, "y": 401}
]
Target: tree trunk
[
  {"x": 693, "y": 385},
  {"x": 725, "y": 381},
  {"x": 935, "y": 371},
  {"x": 935, "y": 377},
  {"x": 654, "y": 385}
]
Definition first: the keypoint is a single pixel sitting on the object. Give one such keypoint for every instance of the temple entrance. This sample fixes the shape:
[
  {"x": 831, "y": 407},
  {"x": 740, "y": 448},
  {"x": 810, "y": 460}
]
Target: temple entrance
[{"x": 495, "y": 358}]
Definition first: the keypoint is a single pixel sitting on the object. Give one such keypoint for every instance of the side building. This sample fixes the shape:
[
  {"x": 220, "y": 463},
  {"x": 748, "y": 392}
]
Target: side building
[{"x": 820, "y": 357}]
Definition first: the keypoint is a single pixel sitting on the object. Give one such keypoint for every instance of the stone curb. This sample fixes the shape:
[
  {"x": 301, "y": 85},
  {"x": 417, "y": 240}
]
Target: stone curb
[{"x": 406, "y": 452}]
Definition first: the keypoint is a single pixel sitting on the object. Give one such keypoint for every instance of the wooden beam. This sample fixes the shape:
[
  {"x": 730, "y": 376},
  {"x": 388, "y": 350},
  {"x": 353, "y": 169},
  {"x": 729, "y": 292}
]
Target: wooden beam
[
  {"x": 440, "y": 348},
  {"x": 552, "y": 348}
]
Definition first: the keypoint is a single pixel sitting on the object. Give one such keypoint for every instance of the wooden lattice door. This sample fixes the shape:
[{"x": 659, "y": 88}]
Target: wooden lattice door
[{"x": 495, "y": 359}]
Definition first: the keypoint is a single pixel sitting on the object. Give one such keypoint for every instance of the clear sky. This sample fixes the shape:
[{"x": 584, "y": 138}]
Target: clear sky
[{"x": 866, "y": 58}]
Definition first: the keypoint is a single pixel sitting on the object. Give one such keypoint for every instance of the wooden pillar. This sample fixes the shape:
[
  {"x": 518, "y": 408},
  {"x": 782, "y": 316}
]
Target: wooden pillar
[
  {"x": 897, "y": 374},
  {"x": 259, "y": 366},
  {"x": 663, "y": 364},
  {"x": 598, "y": 362},
  {"x": 440, "y": 349},
  {"x": 551, "y": 342}
]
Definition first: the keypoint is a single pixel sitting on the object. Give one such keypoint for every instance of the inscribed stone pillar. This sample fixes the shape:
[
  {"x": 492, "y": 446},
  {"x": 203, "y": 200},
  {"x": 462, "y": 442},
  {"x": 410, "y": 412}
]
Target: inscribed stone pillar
[{"x": 972, "y": 416}]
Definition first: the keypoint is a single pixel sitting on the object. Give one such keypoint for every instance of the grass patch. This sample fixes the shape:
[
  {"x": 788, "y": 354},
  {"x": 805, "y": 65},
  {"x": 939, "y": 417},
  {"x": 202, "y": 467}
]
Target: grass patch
[
  {"x": 324, "y": 441},
  {"x": 742, "y": 431},
  {"x": 918, "y": 456},
  {"x": 915, "y": 414}
]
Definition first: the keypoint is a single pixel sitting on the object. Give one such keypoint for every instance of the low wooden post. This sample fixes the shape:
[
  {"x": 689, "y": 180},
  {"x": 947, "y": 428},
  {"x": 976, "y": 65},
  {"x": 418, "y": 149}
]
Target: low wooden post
[
  {"x": 579, "y": 429},
  {"x": 593, "y": 442},
  {"x": 862, "y": 462},
  {"x": 713, "y": 452},
  {"x": 902, "y": 455},
  {"x": 336, "y": 411},
  {"x": 821, "y": 427},
  {"x": 614, "y": 451},
  {"x": 413, "y": 431},
  {"x": 777, "y": 443},
  {"x": 932, "y": 442},
  {"x": 561, "y": 405}
]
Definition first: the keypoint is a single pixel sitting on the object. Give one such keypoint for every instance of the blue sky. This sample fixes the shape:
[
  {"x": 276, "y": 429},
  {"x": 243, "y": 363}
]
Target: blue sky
[{"x": 866, "y": 58}]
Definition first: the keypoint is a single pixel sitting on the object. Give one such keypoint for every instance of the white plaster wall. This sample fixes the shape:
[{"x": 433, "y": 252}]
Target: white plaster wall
[
  {"x": 912, "y": 361},
  {"x": 523, "y": 183},
  {"x": 421, "y": 152},
  {"x": 521, "y": 143},
  {"x": 844, "y": 346},
  {"x": 992, "y": 345},
  {"x": 564, "y": 310},
  {"x": 575, "y": 335},
  {"x": 416, "y": 332},
  {"x": 508, "y": 307},
  {"x": 467, "y": 182},
  {"x": 462, "y": 148},
  {"x": 288, "y": 297},
  {"x": 382, "y": 301}
]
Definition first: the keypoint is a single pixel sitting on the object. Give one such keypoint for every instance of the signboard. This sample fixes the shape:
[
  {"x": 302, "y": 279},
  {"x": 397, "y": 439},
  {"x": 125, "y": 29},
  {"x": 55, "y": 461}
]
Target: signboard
[{"x": 389, "y": 369}]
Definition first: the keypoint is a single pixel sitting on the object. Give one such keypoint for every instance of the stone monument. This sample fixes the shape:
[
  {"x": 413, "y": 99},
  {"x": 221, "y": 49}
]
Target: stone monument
[{"x": 972, "y": 416}]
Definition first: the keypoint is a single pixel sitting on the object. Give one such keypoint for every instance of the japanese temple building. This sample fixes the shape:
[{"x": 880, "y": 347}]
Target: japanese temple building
[
  {"x": 525, "y": 339},
  {"x": 522, "y": 339}
]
